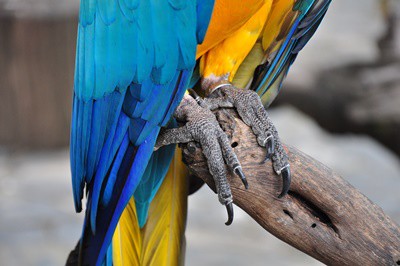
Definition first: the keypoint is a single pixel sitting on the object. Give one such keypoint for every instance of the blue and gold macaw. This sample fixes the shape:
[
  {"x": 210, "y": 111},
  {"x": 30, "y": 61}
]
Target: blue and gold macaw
[{"x": 135, "y": 59}]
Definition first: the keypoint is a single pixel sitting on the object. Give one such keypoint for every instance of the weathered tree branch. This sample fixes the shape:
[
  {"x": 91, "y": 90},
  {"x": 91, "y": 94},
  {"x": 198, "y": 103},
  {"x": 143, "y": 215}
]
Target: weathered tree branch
[{"x": 323, "y": 215}]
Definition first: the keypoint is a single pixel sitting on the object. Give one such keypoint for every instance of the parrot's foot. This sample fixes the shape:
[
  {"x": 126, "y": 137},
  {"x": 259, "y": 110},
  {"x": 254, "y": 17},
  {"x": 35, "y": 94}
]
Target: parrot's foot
[
  {"x": 202, "y": 126},
  {"x": 249, "y": 107}
]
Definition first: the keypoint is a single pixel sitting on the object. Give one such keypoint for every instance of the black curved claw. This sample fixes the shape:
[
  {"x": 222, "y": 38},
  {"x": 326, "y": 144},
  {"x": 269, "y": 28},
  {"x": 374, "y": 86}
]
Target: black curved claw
[
  {"x": 286, "y": 178},
  {"x": 239, "y": 172},
  {"x": 229, "y": 209},
  {"x": 270, "y": 145}
]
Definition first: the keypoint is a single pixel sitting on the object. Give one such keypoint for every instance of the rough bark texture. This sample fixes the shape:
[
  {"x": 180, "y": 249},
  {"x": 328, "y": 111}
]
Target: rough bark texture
[{"x": 323, "y": 215}]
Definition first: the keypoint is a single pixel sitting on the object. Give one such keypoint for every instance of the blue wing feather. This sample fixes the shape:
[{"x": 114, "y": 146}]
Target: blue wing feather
[
  {"x": 94, "y": 246},
  {"x": 311, "y": 13},
  {"x": 107, "y": 10},
  {"x": 114, "y": 171},
  {"x": 87, "y": 12},
  {"x": 131, "y": 4},
  {"x": 133, "y": 64},
  {"x": 204, "y": 12},
  {"x": 113, "y": 143}
]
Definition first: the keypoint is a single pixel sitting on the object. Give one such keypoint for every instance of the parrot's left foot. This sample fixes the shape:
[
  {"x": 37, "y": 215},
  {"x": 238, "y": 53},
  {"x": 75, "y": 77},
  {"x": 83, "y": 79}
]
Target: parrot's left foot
[
  {"x": 251, "y": 110},
  {"x": 201, "y": 125}
]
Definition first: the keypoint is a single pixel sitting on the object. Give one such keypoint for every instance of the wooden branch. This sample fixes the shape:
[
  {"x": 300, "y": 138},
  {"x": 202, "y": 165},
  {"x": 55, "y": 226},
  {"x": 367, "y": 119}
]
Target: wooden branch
[{"x": 323, "y": 215}]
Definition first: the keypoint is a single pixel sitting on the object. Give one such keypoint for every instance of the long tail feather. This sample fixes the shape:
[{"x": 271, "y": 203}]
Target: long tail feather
[
  {"x": 163, "y": 234},
  {"x": 94, "y": 247},
  {"x": 127, "y": 239},
  {"x": 161, "y": 241}
]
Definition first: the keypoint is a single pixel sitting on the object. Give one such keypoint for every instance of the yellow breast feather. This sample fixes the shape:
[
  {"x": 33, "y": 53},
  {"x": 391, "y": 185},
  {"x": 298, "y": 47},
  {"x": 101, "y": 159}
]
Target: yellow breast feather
[
  {"x": 228, "y": 16},
  {"x": 226, "y": 57}
]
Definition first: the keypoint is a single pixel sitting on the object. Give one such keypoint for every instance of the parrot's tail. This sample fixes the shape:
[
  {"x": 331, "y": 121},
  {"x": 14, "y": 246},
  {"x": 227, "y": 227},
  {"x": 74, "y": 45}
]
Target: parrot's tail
[
  {"x": 131, "y": 164},
  {"x": 161, "y": 240}
]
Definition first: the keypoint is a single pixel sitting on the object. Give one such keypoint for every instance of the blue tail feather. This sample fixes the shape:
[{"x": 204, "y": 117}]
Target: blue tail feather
[
  {"x": 113, "y": 142},
  {"x": 132, "y": 168},
  {"x": 128, "y": 77},
  {"x": 114, "y": 171},
  {"x": 151, "y": 180}
]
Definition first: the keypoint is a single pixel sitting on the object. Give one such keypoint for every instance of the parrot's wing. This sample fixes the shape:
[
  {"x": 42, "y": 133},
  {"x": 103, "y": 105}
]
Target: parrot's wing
[
  {"x": 289, "y": 27},
  {"x": 134, "y": 61}
]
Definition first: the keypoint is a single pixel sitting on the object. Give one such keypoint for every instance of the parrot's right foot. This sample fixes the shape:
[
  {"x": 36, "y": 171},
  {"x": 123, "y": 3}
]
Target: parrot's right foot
[
  {"x": 202, "y": 126},
  {"x": 222, "y": 94}
]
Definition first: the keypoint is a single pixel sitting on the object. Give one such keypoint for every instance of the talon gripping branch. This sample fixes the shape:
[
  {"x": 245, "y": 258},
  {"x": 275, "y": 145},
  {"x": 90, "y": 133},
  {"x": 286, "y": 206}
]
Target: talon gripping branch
[{"x": 135, "y": 60}]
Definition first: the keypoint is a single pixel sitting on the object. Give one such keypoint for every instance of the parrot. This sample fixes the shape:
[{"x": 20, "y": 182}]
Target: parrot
[{"x": 140, "y": 68}]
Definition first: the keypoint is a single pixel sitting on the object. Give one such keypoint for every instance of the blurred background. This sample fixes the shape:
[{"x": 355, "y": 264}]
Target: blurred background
[{"x": 340, "y": 104}]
